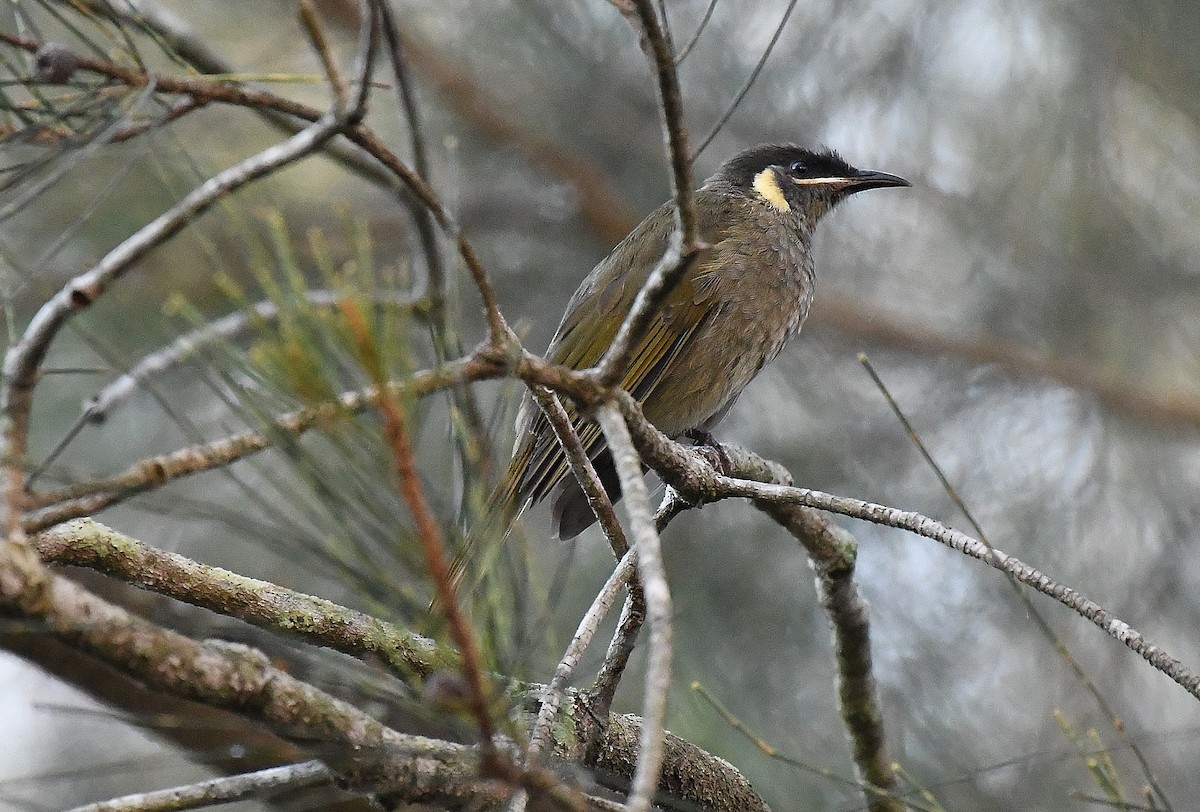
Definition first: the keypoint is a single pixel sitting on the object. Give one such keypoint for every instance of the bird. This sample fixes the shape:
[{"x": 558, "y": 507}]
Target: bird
[{"x": 743, "y": 298}]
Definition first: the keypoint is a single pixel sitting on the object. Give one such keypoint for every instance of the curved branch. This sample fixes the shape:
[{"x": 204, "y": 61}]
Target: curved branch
[{"x": 697, "y": 482}]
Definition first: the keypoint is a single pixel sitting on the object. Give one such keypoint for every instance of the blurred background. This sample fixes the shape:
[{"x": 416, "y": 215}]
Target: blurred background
[{"x": 1033, "y": 303}]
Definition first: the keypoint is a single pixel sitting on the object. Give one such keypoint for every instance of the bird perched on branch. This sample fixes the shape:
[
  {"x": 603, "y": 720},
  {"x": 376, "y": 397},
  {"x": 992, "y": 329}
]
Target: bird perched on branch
[{"x": 735, "y": 308}]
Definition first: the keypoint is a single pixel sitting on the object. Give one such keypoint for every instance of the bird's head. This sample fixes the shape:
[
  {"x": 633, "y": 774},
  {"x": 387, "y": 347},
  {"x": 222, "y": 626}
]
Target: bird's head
[{"x": 795, "y": 180}]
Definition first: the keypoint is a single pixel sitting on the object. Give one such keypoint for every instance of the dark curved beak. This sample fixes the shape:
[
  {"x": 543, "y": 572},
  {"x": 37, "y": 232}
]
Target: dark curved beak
[
  {"x": 869, "y": 179},
  {"x": 860, "y": 181}
]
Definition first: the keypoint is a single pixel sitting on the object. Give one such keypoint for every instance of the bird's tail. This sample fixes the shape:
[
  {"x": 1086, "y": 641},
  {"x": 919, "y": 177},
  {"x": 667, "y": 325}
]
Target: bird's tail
[{"x": 483, "y": 543}]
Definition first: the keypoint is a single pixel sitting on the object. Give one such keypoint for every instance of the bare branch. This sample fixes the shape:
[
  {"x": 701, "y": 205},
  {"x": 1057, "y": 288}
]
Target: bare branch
[
  {"x": 588, "y": 625},
  {"x": 674, "y": 128},
  {"x": 684, "y": 244},
  {"x": 472, "y": 438},
  {"x": 219, "y": 790},
  {"x": 616, "y": 658},
  {"x": 87, "y": 543},
  {"x": 832, "y": 551},
  {"x": 687, "y": 49},
  {"x": 582, "y": 468},
  {"x": 696, "y": 481},
  {"x": 633, "y": 617},
  {"x": 658, "y": 605},
  {"x": 311, "y": 22}
]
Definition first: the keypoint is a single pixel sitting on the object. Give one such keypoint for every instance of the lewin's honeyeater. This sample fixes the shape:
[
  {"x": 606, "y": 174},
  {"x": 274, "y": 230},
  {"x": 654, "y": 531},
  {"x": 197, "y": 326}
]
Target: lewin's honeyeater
[{"x": 736, "y": 307}]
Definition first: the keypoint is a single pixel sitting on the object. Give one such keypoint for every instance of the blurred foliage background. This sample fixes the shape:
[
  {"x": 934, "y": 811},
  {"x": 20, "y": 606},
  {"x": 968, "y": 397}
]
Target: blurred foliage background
[{"x": 1033, "y": 301}]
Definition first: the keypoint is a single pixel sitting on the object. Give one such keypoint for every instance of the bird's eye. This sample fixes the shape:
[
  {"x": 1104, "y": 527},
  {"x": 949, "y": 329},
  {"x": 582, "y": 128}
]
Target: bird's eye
[{"x": 796, "y": 168}]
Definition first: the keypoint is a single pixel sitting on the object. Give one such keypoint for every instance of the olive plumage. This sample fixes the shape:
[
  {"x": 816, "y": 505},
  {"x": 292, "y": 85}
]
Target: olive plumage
[{"x": 740, "y": 302}]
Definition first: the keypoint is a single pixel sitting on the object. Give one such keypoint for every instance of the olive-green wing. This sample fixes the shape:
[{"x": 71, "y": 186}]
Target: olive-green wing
[{"x": 593, "y": 317}]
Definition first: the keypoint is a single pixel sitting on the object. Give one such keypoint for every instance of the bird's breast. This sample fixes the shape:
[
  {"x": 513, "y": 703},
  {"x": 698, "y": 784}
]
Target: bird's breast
[{"x": 756, "y": 289}]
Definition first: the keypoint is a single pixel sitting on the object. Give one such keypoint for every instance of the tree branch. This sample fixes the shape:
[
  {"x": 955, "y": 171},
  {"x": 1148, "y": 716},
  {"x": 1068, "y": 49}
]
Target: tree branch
[
  {"x": 223, "y": 790},
  {"x": 684, "y": 244},
  {"x": 699, "y": 484},
  {"x": 658, "y": 605},
  {"x": 87, "y": 543}
]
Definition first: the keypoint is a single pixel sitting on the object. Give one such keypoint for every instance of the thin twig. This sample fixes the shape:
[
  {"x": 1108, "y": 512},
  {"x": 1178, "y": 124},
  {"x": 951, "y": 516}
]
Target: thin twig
[
  {"x": 311, "y": 23},
  {"x": 658, "y": 605},
  {"x": 750, "y": 80},
  {"x": 633, "y": 617},
  {"x": 1031, "y": 611},
  {"x": 430, "y": 535},
  {"x": 582, "y": 468},
  {"x": 420, "y": 156},
  {"x": 99, "y": 406},
  {"x": 772, "y": 752},
  {"x": 687, "y": 49},
  {"x": 226, "y": 789},
  {"x": 684, "y": 244},
  {"x": 674, "y": 128},
  {"x": 470, "y": 434},
  {"x": 88, "y": 498},
  {"x": 173, "y": 113},
  {"x": 616, "y": 658}
]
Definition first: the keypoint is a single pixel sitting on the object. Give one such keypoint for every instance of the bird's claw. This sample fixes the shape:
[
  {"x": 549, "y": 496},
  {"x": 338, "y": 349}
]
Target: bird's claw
[{"x": 712, "y": 451}]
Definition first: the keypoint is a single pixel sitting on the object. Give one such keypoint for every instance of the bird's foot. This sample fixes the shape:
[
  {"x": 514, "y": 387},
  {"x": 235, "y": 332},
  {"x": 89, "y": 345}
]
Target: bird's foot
[{"x": 711, "y": 450}]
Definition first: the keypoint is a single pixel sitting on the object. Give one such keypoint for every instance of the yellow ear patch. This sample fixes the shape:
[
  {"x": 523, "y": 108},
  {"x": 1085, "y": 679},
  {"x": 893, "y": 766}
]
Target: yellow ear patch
[{"x": 766, "y": 183}]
